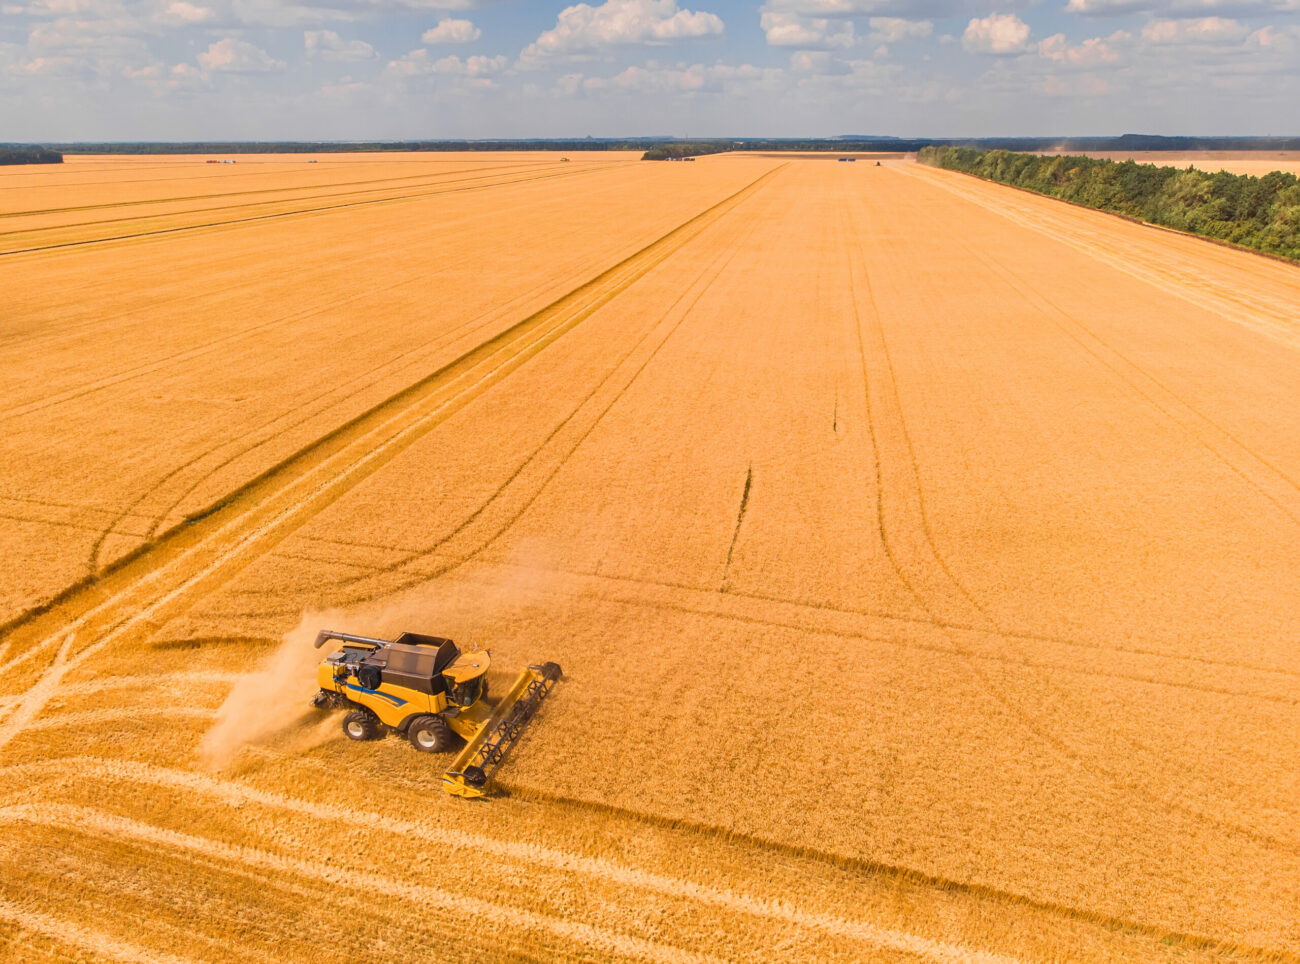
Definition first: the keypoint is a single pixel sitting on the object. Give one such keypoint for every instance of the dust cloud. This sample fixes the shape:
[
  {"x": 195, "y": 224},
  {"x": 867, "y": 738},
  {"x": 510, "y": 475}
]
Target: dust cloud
[
  {"x": 273, "y": 701},
  {"x": 271, "y": 704}
]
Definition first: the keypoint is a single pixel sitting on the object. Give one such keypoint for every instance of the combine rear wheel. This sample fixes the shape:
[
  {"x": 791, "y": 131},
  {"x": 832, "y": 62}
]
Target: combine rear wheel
[
  {"x": 431, "y": 734},
  {"x": 360, "y": 725}
]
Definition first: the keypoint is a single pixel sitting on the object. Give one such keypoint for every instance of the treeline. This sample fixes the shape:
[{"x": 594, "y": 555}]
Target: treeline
[
  {"x": 29, "y": 155},
  {"x": 667, "y": 152},
  {"x": 1256, "y": 212}
]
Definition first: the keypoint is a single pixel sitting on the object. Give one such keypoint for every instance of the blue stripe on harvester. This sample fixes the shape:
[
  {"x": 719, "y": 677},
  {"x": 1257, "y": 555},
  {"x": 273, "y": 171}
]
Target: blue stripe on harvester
[{"x": 395, "y": 700}]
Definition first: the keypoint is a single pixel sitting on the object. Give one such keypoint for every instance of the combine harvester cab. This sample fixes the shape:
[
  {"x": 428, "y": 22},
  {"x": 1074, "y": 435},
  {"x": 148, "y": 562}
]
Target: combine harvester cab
[{"x": 433, "y": 693}]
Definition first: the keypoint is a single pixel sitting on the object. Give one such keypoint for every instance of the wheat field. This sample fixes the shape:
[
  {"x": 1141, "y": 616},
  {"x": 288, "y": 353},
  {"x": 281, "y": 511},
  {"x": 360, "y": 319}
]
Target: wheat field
[
  {"x": 1256, "y": 163},
  {"x": 921, "y": 555}
]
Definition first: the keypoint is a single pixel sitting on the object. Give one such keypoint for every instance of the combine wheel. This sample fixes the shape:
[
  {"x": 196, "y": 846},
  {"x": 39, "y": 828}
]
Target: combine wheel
[
  {"x": 360, "y": 725},
  {"x": 431, "y": 734}
]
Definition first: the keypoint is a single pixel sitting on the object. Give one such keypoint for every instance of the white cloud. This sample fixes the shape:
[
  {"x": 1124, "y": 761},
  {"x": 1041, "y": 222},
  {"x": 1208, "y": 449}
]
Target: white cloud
[
  {"x": 998, "y": 33},
  {"x": 38, "y": 66},
  {"x": 914, "y": 10},
  {"x": 831, "y": 8},
  {"x": 451, "y": 31},
  {"x": 1207, "y": 30},
  {"x": 181, "y": 12},
  {"x": 811, "y": 62},
  {"x": 719, "y": 78},
  {"x": 414, "y": 64},
  {"x": 1087, "y": 54},
  {"x": 476, "y": 66},
  {"x": 476, "y": 70},
  {"x": 84, "y": 9},
  {"x": 185, "y": 77},
  {"x": 311, "y": 14},
  {"x": 1181, "y": 8},
  {"x": 870, "y": 76},
  {"x": 1271, "y": 38},
  {"x": 327, "y": 45},
  {"x": 102, "y": 36},
  {"x": 1106, "y": 8},
  {"x": 238, "y": 57},
  {"x": 584, "y": 29},
  {"x": 790, "y": 30},
  {"x": 892, "y": 30}
]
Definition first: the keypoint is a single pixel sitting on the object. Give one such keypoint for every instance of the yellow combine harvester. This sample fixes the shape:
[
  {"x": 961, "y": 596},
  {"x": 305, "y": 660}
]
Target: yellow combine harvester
[{"x": 426, "y": 689}]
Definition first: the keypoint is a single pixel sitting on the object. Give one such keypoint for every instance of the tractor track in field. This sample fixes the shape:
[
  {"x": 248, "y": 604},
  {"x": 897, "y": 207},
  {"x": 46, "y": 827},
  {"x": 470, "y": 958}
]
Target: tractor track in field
[
  {"x": 881, "y": 636},
  {"x": 301, "y": 212},
  {"x": 1200, "y": 292},
  {"x": 217, "y": 176},
  {"x": 86, "y": 820},
  {"x": 67, "y": 932},
  {"x": 155, "y": 365},
  {"x": 920, "y": 584},
  {"x": 149, "y": 585},
  {"x": 430, "y": 178},
  {"x": 725, "y": 585},
  {"x": 904, "y": 461},
  {"x": 443, "y": 338},
  {"x": 1082, "y": 334},
  {"x": 711, "y": 270},
  {"x": 610, "y": 872},
  {"x": 184, "y": 295},
  {"x": 1060, "y": 745},
  {"x": 815, "y": 607},
  {"x": 894, "y": 640},
  {"x": 1168, "y": 404},
  {"x": 1131, "y": 375},
  {"x": 389, "y": 367},
  {"x": 1016, "y": 659},
  {"x": 868, "y": 867},
  {"x": 365, "y": 194}
]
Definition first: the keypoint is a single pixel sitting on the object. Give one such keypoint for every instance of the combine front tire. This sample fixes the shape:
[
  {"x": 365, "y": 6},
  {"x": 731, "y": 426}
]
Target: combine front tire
[
  {"x": 360, "y": 725},
  {"x": 431, "y": 734}
]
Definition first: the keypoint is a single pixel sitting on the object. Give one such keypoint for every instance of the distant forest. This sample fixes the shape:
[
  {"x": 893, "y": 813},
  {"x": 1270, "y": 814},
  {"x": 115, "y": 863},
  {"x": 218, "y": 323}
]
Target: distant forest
[
  {"x": 679, "y": 149},
  {"x": 1256, "y": 212},
  {"x": 662, "y": 147},
  {"x": 29, "y": 155}
]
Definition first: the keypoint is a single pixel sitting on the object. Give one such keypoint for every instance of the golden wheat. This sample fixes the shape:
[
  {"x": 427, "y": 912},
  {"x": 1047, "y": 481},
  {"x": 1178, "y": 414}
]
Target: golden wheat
[{"x": 921, "y": 556}]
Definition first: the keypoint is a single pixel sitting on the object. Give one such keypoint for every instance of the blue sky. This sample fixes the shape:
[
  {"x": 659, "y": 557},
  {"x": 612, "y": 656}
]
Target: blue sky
[{"x": 357, "y": 69}]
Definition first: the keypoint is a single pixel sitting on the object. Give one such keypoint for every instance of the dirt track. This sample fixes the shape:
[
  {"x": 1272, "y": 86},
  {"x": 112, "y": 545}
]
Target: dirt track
[{"x": 921, "y": 554}]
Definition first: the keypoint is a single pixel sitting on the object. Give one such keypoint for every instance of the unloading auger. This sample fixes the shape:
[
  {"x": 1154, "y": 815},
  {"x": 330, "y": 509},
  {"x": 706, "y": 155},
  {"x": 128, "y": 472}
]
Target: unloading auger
[{"x": 428, "y": 690}]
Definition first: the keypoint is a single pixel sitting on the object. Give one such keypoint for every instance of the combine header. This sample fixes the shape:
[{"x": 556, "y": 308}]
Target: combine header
[{"x": 426, "y": 689}]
